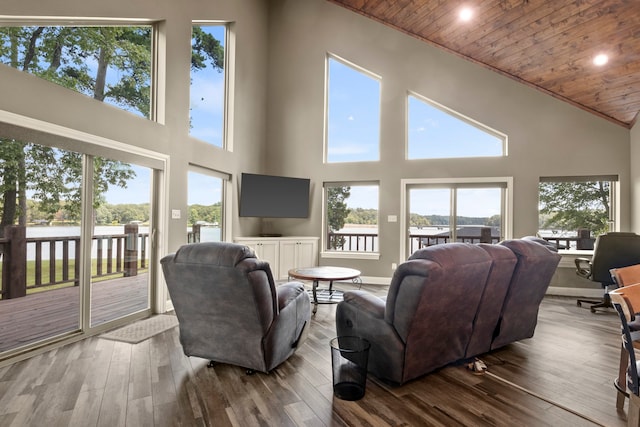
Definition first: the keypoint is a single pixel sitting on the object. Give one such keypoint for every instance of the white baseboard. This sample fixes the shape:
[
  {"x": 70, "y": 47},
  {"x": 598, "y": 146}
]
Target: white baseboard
[{"x": 371, "y": 280}]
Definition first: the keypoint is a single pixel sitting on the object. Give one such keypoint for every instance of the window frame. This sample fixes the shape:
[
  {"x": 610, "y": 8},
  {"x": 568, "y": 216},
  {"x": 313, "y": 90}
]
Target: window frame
[
  {"x": 154, "y": 83},
  {"x": 227, "y": 103},
  {"x": 614, "y": 198},
  {"x": 458, "y": 116},
  {"x": 225, "y": 209},
  {"x": 326, "y": 253},
  {"x": 506, "y": 183},
  {"x": 329, "y": 57}
]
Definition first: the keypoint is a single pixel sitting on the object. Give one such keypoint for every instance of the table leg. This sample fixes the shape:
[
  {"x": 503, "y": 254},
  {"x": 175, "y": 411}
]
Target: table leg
[{"x": 314, "y": 289}]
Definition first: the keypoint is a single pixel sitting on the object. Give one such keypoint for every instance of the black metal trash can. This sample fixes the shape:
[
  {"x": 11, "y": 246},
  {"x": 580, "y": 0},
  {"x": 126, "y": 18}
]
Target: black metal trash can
[{"x": 349, "y": 358}]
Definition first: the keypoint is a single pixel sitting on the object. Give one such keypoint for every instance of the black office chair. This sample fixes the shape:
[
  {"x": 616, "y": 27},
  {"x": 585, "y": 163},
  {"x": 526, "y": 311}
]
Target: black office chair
[{"x": 611, "y": 250}]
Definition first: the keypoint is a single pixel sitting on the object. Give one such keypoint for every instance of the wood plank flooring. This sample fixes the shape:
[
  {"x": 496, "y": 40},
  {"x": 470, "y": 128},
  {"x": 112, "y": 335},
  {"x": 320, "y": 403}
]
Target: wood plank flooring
[{"x": 560, "y": 377}]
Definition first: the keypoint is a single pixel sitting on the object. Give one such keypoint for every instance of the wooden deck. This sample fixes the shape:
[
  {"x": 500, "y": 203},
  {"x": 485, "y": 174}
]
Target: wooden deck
[{"x": 50, "y": 313}]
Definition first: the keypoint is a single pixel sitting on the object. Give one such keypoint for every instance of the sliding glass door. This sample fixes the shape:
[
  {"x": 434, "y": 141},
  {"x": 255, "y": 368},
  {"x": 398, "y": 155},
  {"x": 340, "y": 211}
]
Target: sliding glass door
[
  {"x": 120, "y": 244},
  {"x": 39, "y": 242},
  {"x": 455, "y": 212},
  {"x": 75, "y": 239}
]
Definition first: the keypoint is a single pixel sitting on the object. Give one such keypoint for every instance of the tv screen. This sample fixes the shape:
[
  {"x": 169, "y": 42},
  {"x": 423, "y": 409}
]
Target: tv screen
[{"x": 270, "y": 196}]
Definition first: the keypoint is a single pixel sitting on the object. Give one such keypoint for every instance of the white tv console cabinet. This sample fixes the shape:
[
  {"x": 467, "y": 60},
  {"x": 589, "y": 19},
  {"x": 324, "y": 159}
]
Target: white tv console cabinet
[{"x": 284, "y": 253}]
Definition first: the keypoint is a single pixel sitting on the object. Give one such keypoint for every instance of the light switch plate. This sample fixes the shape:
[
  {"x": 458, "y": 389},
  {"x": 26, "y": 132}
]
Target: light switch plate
[
  {"x": 392, "y": 218},
  {"x": 175, "y": 214}
]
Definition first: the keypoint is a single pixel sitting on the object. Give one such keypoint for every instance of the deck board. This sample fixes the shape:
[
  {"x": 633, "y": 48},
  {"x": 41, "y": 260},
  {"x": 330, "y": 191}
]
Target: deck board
[{"x": 45, "y": 314}]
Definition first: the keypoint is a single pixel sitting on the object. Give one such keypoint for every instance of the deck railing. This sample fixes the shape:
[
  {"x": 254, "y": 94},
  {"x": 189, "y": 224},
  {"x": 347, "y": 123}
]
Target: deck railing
[
  {"x": 367, "y": 242},
  {"x": 356, "y": 242},
  {"x": 117, "y": 254}
]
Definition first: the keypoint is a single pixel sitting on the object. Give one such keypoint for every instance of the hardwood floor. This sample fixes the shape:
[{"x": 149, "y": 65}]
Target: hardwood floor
[{"x": 560, "y": 377}]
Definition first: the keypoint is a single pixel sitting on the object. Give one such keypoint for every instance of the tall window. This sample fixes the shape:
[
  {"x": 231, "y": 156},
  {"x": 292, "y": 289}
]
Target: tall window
[
  {"x": 351, "y": 217},
  {"x": 208, "y": 87},
  {"x": 462, "y": 211},
  {"x": 436, "y": 132},
  {"x": 573, "y": 211},
  {"x": 353, "y": 113},
  {"x": 111, "y": 64},
  {"x": 205, "y": 206}
]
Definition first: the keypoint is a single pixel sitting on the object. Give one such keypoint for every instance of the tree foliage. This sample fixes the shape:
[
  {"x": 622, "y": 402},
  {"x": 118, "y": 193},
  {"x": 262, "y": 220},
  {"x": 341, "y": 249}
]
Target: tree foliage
[
  {"x": 337, "y": 212},
  {"x": 575, "y": 205},
  {"x": 110, "y": 64},
  {"x": 362, "y": 216},
  {"x": 208, "y": 213}
]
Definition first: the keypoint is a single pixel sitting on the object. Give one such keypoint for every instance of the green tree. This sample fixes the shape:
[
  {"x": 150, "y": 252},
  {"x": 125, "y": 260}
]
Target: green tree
[
  {"x": 417, "y": 220},
  {"x": 575, "y": 205},
  {"x": 362, "y": 216},
  {"x": 337, "y": 212},
  {"x": 207, "y": 213},
  {"x": 78, "y": 58}
]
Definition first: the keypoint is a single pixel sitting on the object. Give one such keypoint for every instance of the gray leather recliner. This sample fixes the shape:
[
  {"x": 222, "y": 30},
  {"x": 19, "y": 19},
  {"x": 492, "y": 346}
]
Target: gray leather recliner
[{"x": 229, "y": 308}]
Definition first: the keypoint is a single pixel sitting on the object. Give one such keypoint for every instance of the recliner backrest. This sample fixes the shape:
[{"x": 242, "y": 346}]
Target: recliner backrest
[
  {"x": 495, "y": 292},
  {"x": 218, "y": 289},
  {"x": 432, "y": 302},
  {"x": 531, "y": 277}
]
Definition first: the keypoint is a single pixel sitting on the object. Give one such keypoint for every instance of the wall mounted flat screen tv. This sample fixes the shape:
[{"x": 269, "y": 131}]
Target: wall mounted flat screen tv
[{"x": 270, "y": 196}]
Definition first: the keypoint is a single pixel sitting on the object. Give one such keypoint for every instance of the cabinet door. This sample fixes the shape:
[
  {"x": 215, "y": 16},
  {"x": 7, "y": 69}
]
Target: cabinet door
[
  {"x": 266, "y": 251},
  {"x": 269, "y": 251},
  {"x": 287, "y": 257},
  {"x": 306, "y": 253},
  {"x": 297, "y": 254}
]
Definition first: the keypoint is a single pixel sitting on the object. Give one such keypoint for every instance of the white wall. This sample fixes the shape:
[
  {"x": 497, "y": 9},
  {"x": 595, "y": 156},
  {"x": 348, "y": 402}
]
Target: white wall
[
  {"x": 34, "y": 98},
  {"x": 547, "y": 137}
]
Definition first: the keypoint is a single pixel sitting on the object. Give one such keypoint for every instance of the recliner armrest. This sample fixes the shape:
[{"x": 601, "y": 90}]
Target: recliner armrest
[
  {"x": 366, "y": 301},
  {"x": 583, "y": 267},
  {"x": 288, "y": 292}
]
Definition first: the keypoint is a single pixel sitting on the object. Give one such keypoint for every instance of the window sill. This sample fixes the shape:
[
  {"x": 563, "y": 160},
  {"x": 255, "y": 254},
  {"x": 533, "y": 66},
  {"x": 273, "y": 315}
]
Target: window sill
[
  {"x": 350, "y": 255},
  {"x": 569, "y": 256}
]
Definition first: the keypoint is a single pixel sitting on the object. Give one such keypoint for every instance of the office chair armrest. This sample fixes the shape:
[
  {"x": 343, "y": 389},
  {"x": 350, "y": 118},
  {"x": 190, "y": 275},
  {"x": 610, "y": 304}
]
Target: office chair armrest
[{"x": 583, "y": 267}]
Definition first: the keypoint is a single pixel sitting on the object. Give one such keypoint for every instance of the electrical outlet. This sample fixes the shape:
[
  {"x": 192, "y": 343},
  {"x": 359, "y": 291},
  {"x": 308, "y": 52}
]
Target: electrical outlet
[
  {"x": 394, "y": 265},
  {"x": 175, "y": 214}
]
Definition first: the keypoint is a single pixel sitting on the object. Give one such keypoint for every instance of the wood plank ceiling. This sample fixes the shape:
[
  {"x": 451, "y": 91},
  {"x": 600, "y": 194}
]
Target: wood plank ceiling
[{"x": 547, "y": 44}]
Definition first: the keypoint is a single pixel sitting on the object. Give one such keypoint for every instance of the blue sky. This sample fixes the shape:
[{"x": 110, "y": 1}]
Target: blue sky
[
  {"x": 204, "y": 189},
  {"x": 207, "y": 97}
]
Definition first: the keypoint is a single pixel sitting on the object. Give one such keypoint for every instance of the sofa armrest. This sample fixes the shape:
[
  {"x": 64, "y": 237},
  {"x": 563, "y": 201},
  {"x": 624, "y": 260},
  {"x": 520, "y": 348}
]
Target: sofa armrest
[
  {"x": 365, "y": 301},
  {"x": 361, "y": 314}
]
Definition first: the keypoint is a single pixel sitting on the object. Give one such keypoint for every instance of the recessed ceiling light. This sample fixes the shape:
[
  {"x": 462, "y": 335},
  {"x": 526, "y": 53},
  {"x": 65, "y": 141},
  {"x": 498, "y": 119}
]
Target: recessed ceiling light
[
  {"x": 466, "y": 13},
  {"x": 600, "y": 59}
]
